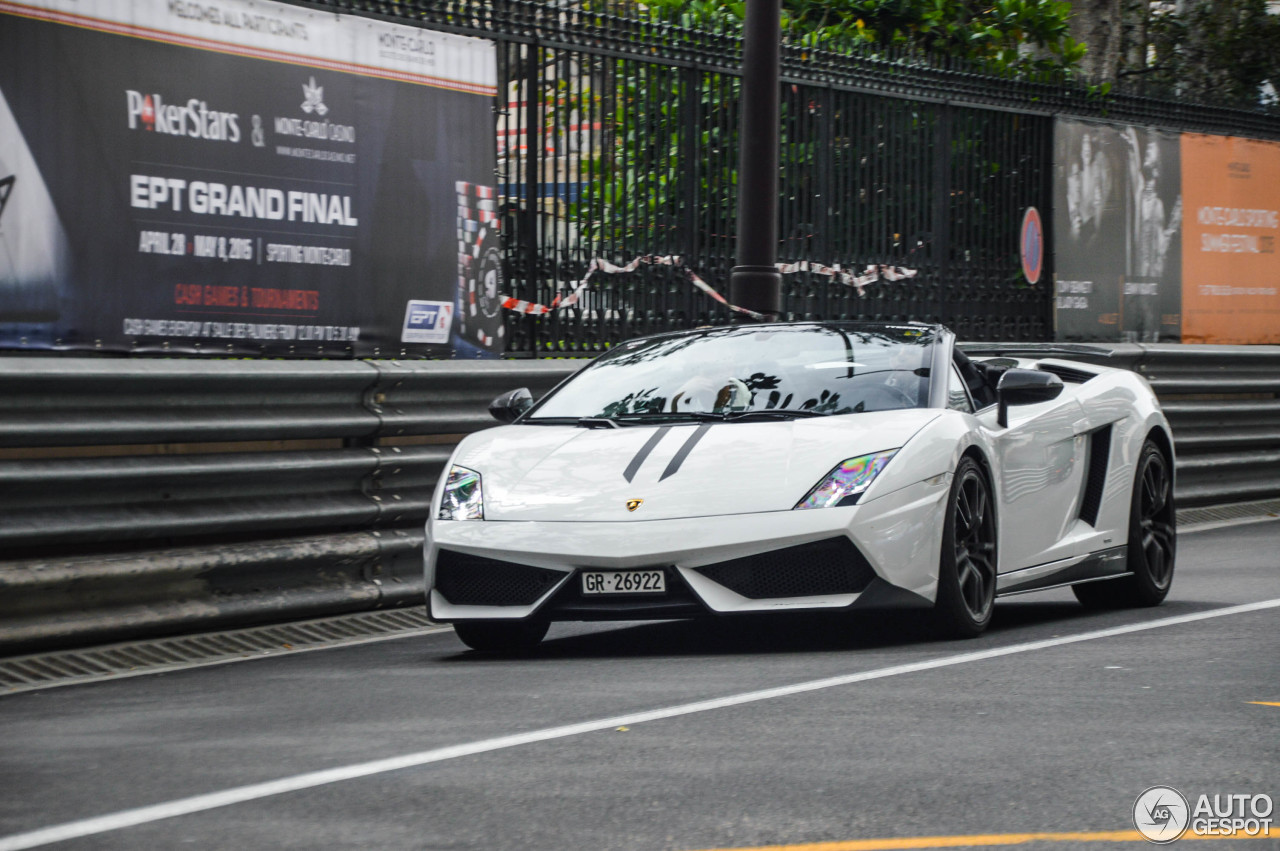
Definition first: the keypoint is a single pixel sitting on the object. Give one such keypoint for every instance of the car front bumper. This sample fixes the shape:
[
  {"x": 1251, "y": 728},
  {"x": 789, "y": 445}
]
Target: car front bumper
[{"x": 896, "y": 537}]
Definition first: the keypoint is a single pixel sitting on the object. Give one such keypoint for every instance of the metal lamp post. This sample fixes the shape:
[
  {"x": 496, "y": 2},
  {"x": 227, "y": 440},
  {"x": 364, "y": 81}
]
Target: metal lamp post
[{"x": 755, "y": 282}]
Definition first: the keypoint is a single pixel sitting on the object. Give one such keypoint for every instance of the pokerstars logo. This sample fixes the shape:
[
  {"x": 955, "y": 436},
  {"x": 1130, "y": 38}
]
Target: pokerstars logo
[{"x": 193, "y": 119}]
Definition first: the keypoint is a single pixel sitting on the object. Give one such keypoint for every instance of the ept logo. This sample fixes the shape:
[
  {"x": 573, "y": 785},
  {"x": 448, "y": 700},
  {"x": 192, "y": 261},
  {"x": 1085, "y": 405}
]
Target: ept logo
[
  {"x": 193, "y": 119},
  {"x": 427, "y": 322},
  {"x": 1161, "y": 814}
]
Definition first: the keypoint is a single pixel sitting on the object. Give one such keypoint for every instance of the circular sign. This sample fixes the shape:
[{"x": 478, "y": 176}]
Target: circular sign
[
  {"x": 1032, "y": 245},
  {"x": 1161, "y": 814}
]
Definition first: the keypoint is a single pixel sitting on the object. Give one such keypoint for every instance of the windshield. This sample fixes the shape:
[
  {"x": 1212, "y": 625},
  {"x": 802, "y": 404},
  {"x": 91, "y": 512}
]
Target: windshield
[{"x": 746, "y": 372}]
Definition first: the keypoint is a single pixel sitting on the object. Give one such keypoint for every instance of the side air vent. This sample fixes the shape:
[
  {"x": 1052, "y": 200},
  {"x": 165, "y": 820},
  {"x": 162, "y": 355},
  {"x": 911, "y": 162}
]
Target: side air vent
[
  {"x": 833, "y": 566},
  {"x": 1066, "y": 373},
  {"x": 1099, "y": 452},
  {"x": 467, "y": 580}
]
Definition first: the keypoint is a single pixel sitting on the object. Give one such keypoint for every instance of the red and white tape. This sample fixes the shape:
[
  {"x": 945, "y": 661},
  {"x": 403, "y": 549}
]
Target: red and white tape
[{"x": 869, "y": 275}]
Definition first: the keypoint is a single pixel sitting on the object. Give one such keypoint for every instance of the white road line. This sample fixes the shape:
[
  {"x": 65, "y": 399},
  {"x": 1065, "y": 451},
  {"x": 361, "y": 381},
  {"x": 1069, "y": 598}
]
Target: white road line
[{"x": 257, "y": 791}]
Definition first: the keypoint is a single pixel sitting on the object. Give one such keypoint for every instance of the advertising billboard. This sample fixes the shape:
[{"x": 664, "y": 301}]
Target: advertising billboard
[
  {"x": 1229, "y": 262},
  {"x": 1117, "y": 233},
  {"x": 1165, "y": 237},
  {"x": 244, "y": 177}
]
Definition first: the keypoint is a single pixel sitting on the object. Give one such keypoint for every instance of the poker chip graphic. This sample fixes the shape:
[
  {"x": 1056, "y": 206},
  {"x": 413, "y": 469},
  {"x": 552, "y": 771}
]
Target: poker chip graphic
[{"x": 480, "y": 299}]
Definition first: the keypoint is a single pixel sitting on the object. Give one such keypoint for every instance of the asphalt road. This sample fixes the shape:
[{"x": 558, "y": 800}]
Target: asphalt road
[{"x": 1049, "y": 723}]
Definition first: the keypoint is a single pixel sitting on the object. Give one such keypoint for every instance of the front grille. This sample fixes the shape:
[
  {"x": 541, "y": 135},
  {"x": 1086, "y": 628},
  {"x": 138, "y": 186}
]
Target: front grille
[
  {"x": 826, "y": 567},
  {"x": 467, "y": 580}
]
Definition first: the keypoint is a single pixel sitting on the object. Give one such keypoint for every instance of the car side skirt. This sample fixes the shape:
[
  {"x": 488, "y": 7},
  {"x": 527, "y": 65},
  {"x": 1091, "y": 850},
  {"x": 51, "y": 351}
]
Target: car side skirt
[{"x": 1104, "y": 564}]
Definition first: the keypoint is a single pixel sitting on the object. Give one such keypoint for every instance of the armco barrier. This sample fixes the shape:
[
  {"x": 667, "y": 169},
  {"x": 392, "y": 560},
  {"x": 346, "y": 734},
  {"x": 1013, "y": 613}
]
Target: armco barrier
[
  {"x": 148, "y": 496},
  {"x": 144, "y": 497}
]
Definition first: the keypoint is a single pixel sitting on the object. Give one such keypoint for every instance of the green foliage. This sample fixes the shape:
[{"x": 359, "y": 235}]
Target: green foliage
[
  {"x": 1001, "y": 36},
  {"x": 647, "y": 163},
  {"x": 1218, "y": 52},
  {"x": 660, "y": 175},
  {"x": 645, "y": 171}
]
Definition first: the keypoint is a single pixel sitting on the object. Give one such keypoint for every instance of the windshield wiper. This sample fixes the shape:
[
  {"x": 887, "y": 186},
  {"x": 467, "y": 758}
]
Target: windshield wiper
[
  {"x": 641, "y": 417},
  {"x": 654, "y": 416},
  {"x": 724, "y": 416},
  {"x": 616, "y": 421},
  {"x": 549, "y": 421},
  {"x": 772, "y": 414},
  {"x": 597, "y": 422}
]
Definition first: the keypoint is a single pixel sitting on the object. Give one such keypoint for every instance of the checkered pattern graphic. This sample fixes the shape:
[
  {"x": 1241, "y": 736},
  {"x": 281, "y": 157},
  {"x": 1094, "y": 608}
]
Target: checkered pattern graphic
[{"x": 480, "y": 303}]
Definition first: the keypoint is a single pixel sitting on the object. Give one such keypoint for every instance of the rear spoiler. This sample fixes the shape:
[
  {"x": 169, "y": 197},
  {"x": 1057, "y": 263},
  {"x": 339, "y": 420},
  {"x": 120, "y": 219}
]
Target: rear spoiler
[{"x": 1036, "y": 350}]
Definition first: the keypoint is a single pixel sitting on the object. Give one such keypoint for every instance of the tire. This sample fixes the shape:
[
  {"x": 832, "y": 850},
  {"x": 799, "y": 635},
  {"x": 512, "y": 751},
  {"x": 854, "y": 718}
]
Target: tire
[
  {"x": 967, "y": 568},
  {"x": 501, "y": 636},
  {"x": 1153, "y": 540}
]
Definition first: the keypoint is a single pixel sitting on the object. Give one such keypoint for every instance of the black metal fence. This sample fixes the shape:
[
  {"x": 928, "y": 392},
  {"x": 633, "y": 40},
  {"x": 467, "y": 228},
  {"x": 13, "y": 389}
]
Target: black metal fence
[
  {"x": 617, "y": 138},
  {"x": 638, "y": 157}
]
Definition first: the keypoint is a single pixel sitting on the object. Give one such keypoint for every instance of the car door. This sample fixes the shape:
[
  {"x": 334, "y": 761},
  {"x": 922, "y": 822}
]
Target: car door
[{"x": 1039, "y": 465}]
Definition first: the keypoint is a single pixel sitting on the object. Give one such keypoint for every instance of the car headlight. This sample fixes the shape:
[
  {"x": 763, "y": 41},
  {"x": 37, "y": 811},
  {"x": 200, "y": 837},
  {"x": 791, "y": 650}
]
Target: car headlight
[
  {"x": 462, "y": 498},
  {"x": 844, "y": 484}
]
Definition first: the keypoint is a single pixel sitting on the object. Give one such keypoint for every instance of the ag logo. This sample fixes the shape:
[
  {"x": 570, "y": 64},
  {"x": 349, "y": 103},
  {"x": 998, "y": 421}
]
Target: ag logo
[
  {"x": 1161, "y": 814},
  {"x": 633, "y": 504}
]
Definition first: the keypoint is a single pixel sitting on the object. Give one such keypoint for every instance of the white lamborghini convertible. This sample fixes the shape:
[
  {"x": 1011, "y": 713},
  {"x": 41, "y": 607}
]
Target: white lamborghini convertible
[{"x": 802, "y": 466}]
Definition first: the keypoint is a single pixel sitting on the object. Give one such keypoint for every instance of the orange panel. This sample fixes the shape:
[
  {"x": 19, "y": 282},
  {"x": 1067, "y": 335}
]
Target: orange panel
[{"x": 1230, "y": 269}]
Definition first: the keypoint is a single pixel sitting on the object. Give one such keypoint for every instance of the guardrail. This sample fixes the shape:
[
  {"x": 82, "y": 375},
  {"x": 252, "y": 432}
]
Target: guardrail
[
  {"x": 146, "y": 496},
  {"x": 161, "y": 496}
]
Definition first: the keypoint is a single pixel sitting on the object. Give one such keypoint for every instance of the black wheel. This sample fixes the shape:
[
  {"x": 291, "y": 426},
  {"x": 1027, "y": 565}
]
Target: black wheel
[
  {"x": 967, "y": 571},
  {"x": 1153, "y": 540},
  {"x": 501, "y": 636}
]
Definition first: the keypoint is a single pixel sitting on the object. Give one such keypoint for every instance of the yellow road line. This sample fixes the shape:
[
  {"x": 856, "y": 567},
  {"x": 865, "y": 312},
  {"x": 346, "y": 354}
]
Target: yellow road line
[
  {"x": 975, "y": 840},
  {"x": 1263, "y": 703}
]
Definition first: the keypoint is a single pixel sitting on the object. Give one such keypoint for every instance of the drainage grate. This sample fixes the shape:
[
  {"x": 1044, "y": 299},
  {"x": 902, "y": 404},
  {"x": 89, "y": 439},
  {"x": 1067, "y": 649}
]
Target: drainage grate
[
  {"x": 1223, "y": 513},
  {"x": 68, "y": 667}
]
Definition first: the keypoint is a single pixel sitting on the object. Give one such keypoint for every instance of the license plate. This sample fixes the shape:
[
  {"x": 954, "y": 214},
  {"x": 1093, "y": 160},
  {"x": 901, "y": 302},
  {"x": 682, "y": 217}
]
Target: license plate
[{"x": 624, "y": 582}]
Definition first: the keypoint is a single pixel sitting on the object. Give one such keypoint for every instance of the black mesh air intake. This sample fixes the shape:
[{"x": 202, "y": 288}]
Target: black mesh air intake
[
  {"x": 1099, "y": 452},
  {"x": 833, "y": 566},
  {"x": 467, "y": 580},
  {"x": 1066, "y": 373}
]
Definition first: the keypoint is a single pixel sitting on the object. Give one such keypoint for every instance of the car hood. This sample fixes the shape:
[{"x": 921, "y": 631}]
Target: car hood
[{"x": 567, "y": 473}]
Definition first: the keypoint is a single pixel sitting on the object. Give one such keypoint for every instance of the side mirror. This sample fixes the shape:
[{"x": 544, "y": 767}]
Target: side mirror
[
  {"x": 1025, "y": 387},
  {"x": 511, "y": 404}
]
